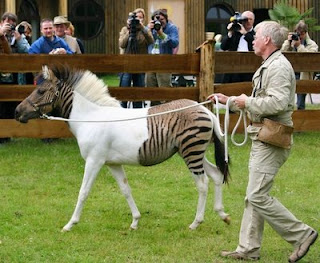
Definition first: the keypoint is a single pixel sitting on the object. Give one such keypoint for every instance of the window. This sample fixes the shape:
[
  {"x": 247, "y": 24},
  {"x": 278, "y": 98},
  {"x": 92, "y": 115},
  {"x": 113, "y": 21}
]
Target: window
[
  {"x": 217, "y": 19},
  {"x": 88, "y": 19}
]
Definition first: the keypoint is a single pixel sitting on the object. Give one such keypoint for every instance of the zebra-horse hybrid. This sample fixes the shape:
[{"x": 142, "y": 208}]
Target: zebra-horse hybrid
[{"x": 110, "y": 135}]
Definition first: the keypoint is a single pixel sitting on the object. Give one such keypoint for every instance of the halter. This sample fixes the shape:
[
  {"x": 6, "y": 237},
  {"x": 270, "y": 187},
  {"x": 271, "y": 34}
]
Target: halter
[{"x": 37, "y": 106}]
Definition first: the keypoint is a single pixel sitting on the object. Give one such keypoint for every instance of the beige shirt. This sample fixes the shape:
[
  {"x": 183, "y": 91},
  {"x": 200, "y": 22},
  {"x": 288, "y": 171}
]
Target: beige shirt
[
  {"x": 274, "y": 90},
  {"x": 143, "y": 36},
  {"x": 72, "y": 43}
]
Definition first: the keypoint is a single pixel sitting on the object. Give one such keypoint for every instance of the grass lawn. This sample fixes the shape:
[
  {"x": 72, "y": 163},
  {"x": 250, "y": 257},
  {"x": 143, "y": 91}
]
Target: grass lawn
[{"x": 40, "y": 184}]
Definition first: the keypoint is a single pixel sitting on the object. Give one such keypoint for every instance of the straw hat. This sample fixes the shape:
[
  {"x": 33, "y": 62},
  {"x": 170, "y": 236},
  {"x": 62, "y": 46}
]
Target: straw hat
[{"x": 58, "y": 20}]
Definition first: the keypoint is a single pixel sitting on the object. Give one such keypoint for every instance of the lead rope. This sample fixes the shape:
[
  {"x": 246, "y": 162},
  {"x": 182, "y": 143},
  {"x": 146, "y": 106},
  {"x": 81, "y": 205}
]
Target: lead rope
[
  {"x": 226, "y": 126},
  {"x": 226, "y": 121}
]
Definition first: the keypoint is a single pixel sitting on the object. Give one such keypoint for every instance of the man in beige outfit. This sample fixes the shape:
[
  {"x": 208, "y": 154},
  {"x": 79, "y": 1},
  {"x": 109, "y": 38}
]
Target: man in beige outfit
[
  {"x": 272, "y": 98},
  {"x": 60, "y": 26}
]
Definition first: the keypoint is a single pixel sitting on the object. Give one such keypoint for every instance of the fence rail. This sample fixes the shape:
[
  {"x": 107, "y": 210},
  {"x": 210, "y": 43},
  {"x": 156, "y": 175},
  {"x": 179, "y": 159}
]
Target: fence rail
[{"x": 203, "y": 64}]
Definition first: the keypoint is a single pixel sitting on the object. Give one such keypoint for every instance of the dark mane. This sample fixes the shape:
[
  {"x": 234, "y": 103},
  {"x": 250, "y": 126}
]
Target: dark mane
[{"x": 64, "y": 73}]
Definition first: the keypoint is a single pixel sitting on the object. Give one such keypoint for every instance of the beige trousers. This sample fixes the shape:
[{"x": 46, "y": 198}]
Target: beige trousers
[
  {"x": 265, "y": 161},
  {"x": 158, "y": 79}
]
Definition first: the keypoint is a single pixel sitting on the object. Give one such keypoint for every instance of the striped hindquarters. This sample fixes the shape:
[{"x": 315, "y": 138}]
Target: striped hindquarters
[{"x": 187, "y": 132}]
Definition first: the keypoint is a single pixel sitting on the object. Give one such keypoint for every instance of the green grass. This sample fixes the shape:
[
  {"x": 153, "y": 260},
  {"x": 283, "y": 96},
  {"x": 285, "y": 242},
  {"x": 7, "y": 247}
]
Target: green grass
[
  {"x": 40, "y": 183},
  {"x": 111, "y": 80}
]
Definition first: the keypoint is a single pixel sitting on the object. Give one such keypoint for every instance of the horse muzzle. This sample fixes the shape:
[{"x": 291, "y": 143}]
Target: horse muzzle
[{"x": 22, "y": 115}]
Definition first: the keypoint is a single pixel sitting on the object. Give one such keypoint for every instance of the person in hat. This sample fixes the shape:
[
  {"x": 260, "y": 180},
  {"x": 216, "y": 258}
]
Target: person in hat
[
  {"x": 48, "y": 43},
  {"x": 61, "y": 24}
]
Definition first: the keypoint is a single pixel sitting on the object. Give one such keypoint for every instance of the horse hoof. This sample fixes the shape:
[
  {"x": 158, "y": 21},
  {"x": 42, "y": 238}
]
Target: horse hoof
[
  {"x": 63, "y": 230},
  {"x": 194, "y": 225},
  {"x": 227, "y": 220}
]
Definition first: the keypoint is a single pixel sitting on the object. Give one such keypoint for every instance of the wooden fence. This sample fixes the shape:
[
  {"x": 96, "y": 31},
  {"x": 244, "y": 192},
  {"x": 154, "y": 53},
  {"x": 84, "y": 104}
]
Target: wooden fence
[{"x": 203, "y": 64}]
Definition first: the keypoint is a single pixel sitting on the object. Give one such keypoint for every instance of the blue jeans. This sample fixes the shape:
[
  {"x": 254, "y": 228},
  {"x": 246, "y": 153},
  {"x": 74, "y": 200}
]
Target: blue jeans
[
  {"x": 301, "y": 101},
  {"x": 137, "y": 80}
]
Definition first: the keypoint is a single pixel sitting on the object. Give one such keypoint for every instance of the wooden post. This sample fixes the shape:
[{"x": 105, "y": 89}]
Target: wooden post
[
  {"x": 63, "y": 8},
  {"x": 10, "y": 6},
  {"x": 206, "y": 74}
]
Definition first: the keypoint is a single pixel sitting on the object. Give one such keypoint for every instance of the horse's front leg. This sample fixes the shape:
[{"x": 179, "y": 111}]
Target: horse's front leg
[
  {"x": 92, "y": 168},
  {"x": 202, "y": 186},
  {"x": 120, "y": 176},
  {"x": 213, "y": 172}
]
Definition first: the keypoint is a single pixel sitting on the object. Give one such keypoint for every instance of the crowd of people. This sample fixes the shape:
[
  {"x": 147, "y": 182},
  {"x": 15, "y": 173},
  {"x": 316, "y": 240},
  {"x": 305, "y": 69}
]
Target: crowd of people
[
  {"x": 160, "y": 36},
  {"x": 18, "y": 39}
]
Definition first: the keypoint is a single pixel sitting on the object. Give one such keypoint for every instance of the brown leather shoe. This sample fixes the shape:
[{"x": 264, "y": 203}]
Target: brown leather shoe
[
  {"x": 303, "y": 249},
  {"x": 238, "y": 256}
]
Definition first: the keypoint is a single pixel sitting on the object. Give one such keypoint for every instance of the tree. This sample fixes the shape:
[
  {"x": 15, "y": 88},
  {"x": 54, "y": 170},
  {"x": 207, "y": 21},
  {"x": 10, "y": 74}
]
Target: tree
[{"x": 289, "y": 16}]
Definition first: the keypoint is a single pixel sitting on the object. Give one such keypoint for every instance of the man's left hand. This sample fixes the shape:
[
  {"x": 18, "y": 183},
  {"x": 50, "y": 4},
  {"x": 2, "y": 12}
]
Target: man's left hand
[
  {"x": 243, "y": 31},
  {"x": 240, "y": 101}
]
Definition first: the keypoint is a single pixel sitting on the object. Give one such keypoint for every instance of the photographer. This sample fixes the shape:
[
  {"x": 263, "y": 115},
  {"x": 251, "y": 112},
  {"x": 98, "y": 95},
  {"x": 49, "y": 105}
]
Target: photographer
[
  {"x": 12, "y": 41},
  {"x": 134, "y": 39},
  {"x": 239, "y": 38},
  {"x": 166, "y": 39},
  {"x": 300, "y": 41}
]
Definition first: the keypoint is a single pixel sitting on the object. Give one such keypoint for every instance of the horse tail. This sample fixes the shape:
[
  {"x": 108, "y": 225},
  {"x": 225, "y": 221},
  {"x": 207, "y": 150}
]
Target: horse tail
[{"x": 220, "y": 154}]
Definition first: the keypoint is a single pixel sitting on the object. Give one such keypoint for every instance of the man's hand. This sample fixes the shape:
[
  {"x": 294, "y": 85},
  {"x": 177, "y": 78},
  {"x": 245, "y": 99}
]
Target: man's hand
[
  {"x": 151, "y": 24},
  {"x": 5, "y": 29},
  {"x": 243, "y": 31},
  {"x": 240, "y": 101},
  {"x": 221, "y": 98}
]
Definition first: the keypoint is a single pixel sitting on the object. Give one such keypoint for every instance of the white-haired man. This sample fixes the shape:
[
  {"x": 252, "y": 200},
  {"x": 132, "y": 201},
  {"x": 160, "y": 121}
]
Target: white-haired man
[{"x": 272, "y": 99}]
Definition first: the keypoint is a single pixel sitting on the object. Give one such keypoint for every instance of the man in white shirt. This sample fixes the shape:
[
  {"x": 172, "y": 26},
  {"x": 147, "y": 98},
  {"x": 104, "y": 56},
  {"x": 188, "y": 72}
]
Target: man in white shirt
[{"x": 239, "y": 38}]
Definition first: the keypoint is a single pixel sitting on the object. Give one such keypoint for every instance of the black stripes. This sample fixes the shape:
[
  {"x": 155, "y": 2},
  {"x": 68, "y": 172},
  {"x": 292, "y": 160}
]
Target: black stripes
[{"x": 189, "y": 132}]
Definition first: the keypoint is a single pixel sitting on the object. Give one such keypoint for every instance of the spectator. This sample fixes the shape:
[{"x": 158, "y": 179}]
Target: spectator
[
  {"x": 70, "y": 32},
  {"x": 60, "y": 25},
  {"x": 272, "y": 99},
  {"x": 239, "y": 38},
  {"x": 134, "y": 38},
  {"x": 166, "y": 39},
  {"x": 26, "y": 29},
  {"x": 11, "y": 42},
  {"x": 217, "y": 39},
  {"x": 300, "y": 41},
  {"x": 48, "y": 43}
]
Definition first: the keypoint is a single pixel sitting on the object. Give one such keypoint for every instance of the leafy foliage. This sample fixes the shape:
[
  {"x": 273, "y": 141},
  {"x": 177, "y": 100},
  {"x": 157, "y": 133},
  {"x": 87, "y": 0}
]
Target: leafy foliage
[{"x": 289, "y": 16}]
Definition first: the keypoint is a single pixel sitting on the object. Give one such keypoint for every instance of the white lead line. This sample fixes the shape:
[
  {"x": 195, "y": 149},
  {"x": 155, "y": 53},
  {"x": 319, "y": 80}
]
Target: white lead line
[{"x": 52, "y": 118}]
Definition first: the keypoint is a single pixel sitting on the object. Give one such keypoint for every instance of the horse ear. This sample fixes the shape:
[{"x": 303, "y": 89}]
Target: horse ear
[{"x": 47, "y": 73}]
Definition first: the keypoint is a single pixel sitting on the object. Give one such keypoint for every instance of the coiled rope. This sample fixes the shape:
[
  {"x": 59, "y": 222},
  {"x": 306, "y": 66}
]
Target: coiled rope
[{"x": 226, "y": 126}]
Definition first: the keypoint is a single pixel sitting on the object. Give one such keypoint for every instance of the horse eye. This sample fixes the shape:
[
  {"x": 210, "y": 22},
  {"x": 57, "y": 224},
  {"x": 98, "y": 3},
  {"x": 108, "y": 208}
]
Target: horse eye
[{"x": 41, "y": 91}]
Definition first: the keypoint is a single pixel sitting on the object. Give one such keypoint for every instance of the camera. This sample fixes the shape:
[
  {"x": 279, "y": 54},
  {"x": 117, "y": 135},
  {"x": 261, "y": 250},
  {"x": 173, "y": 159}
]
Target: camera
[
  {"x": 21, "y": 29},
  {"x": 236, "y": 20},
  {"x": 157, "y": 23},
  {"x": 295, "y": 36},
  {"x": 133, "y": 22},
  {"x": 12, "y": 27}
]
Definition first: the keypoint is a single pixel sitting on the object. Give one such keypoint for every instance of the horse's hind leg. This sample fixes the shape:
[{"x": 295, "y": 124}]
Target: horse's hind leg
[
  {"x": 213, "y": 172},
  {"x": 120, "y": 176},
  {"x": 91, "y": 170},
  {"x": 202, "y": 185}
]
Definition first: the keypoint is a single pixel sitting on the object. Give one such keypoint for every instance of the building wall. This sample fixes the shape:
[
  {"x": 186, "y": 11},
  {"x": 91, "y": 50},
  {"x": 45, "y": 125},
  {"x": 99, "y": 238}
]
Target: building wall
[{"x": 116, "y": 14}]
